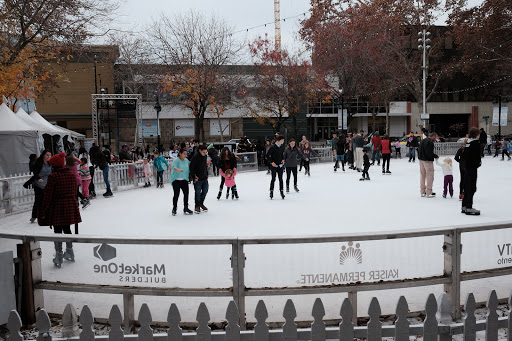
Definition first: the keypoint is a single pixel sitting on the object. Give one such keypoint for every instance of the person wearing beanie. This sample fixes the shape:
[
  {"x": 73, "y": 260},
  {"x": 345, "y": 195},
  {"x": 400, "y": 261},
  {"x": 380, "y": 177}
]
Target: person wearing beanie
[{"x": 59, "y": 207}]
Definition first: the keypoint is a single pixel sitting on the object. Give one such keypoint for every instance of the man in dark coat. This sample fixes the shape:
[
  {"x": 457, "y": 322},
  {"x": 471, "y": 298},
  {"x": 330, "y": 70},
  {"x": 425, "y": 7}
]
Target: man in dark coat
[
  {"x": 483, "y": 141},
  {"x": 199, "y": 174},
  {"x": 471, "y": 159},
  {"x": 426, "y": 156},
  {"x": 59, "y": 207},
  {"x": 276, "y": 160}
]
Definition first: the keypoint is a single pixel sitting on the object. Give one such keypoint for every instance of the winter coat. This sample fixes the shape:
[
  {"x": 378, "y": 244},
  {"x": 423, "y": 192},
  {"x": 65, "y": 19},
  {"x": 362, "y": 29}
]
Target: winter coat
[
  {"x": 471, "y": 155},
  {"x": 198, "y": 167},
  {"x": 447, "y": 169},
  {"x": 74, "y": 170},
  {"x": 290, "y": 157},
  {"x": 359, "y": 141},
  {"x": 184, "y": 165},
  {"x": 41, "y": 171},
  {"x": 59, "y": 206},
  {"x": 85, "y": 173},
  {"x": 147, "y": 169},
  {"x": 334, "y": 141},
  {"x": 426, "y": 150},
  {"x": 229, "y": 182},
  {"x": 376, "y": 141},
  {"x": 159, "y": 162},
  {"x": 275, "y": 154},
  {"x": 412, "y": 142},
  {"x": 308, "y": 153},
  {"x": 386, "y": 146},
  {"x": 228, "y": 164},
  {"x": 340, "y": 147}
]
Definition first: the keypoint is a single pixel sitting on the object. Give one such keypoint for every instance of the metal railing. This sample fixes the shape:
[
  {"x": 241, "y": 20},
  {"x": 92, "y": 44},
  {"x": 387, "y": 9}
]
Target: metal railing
[
  {"x": 451, "y": 277},
  {"x": 15, "y": 198}
]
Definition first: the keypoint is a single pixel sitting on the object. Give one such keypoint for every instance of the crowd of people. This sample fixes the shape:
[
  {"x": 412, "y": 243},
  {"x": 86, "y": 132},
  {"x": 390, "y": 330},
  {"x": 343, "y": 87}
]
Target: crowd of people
[{"x": 61, "y": 182}]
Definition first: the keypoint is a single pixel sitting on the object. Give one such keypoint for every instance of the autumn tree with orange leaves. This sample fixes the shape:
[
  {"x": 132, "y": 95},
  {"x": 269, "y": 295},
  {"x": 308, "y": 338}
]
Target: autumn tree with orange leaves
[
  {"x": 283, "y": 84},
  {"x": 196, "y": 50},
  {"x": 34, "y": 33}
]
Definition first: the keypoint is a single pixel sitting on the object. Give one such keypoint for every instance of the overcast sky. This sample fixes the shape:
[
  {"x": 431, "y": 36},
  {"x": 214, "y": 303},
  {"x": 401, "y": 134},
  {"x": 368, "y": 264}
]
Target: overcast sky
[{"x": 241, "y": 14}]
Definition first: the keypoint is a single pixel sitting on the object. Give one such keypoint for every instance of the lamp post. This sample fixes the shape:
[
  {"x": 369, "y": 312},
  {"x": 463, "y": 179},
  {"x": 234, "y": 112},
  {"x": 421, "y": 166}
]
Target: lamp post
[
  {"x": 158, "y": 108},
  {"x": 499, "y": 100},
  {"x": 341, "y": 124},
  {"x": 424, "y": 46}
]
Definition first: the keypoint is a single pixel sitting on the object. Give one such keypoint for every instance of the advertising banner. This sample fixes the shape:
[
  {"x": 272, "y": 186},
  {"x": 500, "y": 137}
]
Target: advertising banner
[
  {"x": 496, "y": 116},
  {"x": 342, "y": 119},
  {"x": 215, "y": 129},
  {"x": 149, "y": 128},
  {"x": 183, "y": 127}
]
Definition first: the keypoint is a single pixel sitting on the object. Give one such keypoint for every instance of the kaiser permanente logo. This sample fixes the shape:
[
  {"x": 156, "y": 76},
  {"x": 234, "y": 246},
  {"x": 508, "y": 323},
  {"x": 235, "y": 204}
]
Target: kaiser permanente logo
[
  {"x": 351, "y": 261},
  {"x": 127, "y": 273}
]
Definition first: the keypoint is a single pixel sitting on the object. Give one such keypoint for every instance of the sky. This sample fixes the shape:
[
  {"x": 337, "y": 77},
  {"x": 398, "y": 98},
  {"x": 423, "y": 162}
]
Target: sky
[{"x": 240, "y": 14}]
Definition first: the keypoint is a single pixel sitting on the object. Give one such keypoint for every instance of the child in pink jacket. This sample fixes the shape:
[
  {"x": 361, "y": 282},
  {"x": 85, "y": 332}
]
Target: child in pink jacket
[{"x": 229, "y": 181}]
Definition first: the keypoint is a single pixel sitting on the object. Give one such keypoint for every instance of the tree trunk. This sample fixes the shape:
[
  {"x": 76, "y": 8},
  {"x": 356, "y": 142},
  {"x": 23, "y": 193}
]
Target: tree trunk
[{"x": 220, "y": 129}]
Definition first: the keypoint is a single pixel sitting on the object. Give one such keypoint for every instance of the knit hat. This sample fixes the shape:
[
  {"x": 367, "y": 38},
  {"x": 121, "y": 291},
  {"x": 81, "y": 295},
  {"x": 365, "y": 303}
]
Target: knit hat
[
  {"x": 210, "y": 145},
  {"x": 58, "y": 161}
]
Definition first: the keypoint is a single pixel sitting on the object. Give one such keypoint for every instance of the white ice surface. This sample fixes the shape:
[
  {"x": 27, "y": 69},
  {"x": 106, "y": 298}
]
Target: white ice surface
[{"x": 328, "y": 203}]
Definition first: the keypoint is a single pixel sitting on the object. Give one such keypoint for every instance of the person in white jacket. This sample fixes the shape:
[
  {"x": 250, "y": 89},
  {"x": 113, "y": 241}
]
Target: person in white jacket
[{"x": 448, "y": 175}]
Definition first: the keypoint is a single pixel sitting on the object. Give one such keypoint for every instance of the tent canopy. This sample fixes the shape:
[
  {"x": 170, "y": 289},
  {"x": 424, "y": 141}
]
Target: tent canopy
[
  {"x": 9, "y": 122},
  {"x": 34, "y": 124}
]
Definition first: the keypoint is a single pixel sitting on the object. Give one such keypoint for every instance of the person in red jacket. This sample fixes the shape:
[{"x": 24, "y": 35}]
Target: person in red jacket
[
  {"x": 386, "y": 154},
  {"x": 376, "y": 142},
  {"x": 59, "y": 207}
]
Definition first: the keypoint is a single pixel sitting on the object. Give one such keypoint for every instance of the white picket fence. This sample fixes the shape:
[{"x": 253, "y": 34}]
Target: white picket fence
[
  {"x": 15, "y": 198},
  {"x": 437, "y": 325}
]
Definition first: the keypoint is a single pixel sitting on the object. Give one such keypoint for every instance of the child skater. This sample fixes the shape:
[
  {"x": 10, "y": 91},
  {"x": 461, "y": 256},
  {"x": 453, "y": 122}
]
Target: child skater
[
  {"x": 366, "y": 164},
  {"x": 72, "y": 163},
  {"x": 146, "y": 170},
  {"x": 85, "y": 174},
  {"x": 158, "y": 163},
  {"x": 448, "y": 175},
  {"x": 308, "y": 153},
  {"x": 229, "y": 181},
  {"x": 398, "y": 149}
]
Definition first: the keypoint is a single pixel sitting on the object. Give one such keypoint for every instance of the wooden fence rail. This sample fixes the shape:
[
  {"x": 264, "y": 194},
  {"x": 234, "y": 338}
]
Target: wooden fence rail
[{"x": 437, "y": 325}]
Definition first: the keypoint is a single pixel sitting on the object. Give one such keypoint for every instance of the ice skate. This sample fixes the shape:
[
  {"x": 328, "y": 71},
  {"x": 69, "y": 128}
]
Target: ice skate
[
  {"x": 271, "y": 194},
  {"x": 432, "y": 195},
  {"x": 227, "y": 195},
  {"x": 472, "y": 211},
  {"x": 219, "y": 195},
  {"x": 187, "y": 211},
  {"x": 69, "y": 255},
  {"x": 362, "y": 179},
  {"x": 149, "y": 184},
  {"x": 57, "y": 261},
  {"x": 463, "y": 210},
  {"x": 388, "y": 172},
  {"x": 145, "y": 185},
  {"x": 367, "y": 178},
  {"x": 108, "y": 194},
  {"x": 309, "y": 174},
  {"x": 174, "y": 211},
  {"x": 444, "y": 196},
  {"x": 32, "y": 220},
  {"x": 296, "y": 188},
  {"x": 235, "y": 193},
  {"x": 197, "y": 210},
  {"x": 287, "y": 189},
  {"x": 203, "y": 208},
  {"x": 282, "y": 194},
  {"x": 85, "y": 203}
]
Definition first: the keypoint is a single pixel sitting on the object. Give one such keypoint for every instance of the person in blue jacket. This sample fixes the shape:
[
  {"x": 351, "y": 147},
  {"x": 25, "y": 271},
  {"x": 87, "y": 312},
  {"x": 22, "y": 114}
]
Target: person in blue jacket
[{"x": 158, "y": 164}]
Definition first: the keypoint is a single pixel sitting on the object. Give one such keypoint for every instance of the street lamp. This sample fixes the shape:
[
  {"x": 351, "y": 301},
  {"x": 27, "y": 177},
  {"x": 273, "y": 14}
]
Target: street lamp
[
  {"x": 340, "y": 112},
  {"x": 424, "y": 46},
  {"x": 499, "y": 100},
  {"x": 158, "y": 108}
]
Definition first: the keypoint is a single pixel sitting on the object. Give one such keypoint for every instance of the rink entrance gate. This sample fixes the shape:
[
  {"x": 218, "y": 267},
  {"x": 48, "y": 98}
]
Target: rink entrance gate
[{"x": 452, "y": 275}]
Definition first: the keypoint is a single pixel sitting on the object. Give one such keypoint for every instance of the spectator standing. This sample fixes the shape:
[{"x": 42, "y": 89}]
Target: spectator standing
[
  {"x": 125, "y": 155},
  {"x": 471, "y": 157},
  {"x": 359, "y": 144},
  {"x": 427, "y": 156},
  {"x": 42, "y": 170}
]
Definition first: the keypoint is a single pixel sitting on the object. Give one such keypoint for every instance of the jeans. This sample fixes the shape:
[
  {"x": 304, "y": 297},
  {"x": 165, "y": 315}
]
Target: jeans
[
  {"x": 306, "y": 166},
  {"x": 365, "y": 172},
  {"x": 178, "y": 185},
  {"x": 376, "y": 155},
  {"x": 503, "y": 153},
  {"x": 412, "y": 153},
  {"x": 160, "y": 177},
  {"x": 59, "y": 230},
  {"x": 288, "y": 171},
  {"x": 279, "y": 172},
  {"x": 201, "y": 189},
  {"x": 105, "y": 178}
]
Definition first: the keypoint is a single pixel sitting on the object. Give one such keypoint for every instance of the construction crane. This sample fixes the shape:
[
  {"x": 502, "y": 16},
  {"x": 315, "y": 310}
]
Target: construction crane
[{"x": 277, "y": 23}]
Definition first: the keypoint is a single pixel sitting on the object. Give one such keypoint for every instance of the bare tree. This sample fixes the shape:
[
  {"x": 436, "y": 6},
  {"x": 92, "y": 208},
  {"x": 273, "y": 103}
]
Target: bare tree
[{"x": 194, "y": 47}]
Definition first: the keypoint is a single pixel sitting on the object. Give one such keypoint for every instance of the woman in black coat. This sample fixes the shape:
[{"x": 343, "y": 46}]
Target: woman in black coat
[
  {"x": 41, "y": 172},
  {"x": 227, "y": 161}
]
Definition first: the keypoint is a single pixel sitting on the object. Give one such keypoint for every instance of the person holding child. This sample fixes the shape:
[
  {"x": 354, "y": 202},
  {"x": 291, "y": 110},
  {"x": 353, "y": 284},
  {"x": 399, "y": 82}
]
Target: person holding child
[{"x": 229, "y": 181}]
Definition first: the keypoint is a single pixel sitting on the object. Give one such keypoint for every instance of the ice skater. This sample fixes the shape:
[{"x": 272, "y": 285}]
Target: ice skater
[
  {"x": 227, "y": 161},
  {"x": 290, "y": 156},
  {"x": 366, "y": 165},
  {"x": 505, "y": 145},
  {"x": 340, "y": 153},
  {"x": 458, "y": 158},
  {"x": 398, "y": 149},
  {"x": 146, "y": 170},
  {"x": 72, "y": 163},
  {"x": 275, "y": 157},
  {"x": 179, "y": 181},
  {"x": 448, "y": 175},
  {"x": 386, "y": 154},
  {"x": 229, "y": 180},
  {"x": 472, "y": 161},
  {"x": 158, "y": 163},
  {"x": 308, "y": 153},
  {"x": 85, "y": 174}
]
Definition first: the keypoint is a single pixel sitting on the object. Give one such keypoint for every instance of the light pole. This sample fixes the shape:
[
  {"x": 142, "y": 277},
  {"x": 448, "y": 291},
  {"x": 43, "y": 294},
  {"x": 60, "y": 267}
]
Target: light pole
[
  {"x": 341, "y": 124},
  {"x": 499, "y": 100},
  {"x": 424, "y": 46},
  {"x": 158, "y": 108}
]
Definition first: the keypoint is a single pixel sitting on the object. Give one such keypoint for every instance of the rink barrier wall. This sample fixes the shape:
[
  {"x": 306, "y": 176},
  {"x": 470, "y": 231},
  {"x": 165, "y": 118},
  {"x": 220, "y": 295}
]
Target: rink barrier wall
[
  {"x": 122, "y": 176},
  {"x": 30, "y": 254},
  {"x": 437, "y": 325}
]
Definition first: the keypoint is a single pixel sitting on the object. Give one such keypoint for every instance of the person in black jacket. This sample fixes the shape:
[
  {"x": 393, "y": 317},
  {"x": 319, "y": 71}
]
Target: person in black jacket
[
  {"x": 412, "y": 144},
  {"x": 276, "y": 160},
  {"x": 227, "y": 161},
  {"x": 483, "y": 141},
  {"x": 426, "y": 156},
  {"x": 199, "y": 174},
  {"x": 471, "y": 159},
  {"x": 458, "y": 158},
  {"x": 366, "y": 165}
]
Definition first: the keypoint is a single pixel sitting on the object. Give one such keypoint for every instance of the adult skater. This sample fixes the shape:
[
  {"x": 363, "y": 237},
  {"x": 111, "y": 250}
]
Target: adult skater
[
  {"x": 340, "y": 153},
  {"x": 290, "y": 156},
  {"x": 308, "y": 152},
  {"x": 214, "y": 156},
  {"x": 359, "y": 144},
  {"x": 302, "y": 143},
  {"x": 458, "y": 158},
  {"x": 102, "y": 161},
  {"x": 179, "y": 180},
  {"x": 483, "y": 141},
  {"x": 275, "y": 157},
  {"x": 376, "y": 142},
  {"x": 42, "y": 170},
  {"x": 386, "y": 154},
  {"x": 227, "y": 161},
  {"x": 471, "y": 158},
  {"x": 333, "y": 144},
  {"x": 199, "y": 174},
  {"x": 426, "y": 156},
  {"x": 412, "y": 144},
  {"x": 59, "y": 207}
]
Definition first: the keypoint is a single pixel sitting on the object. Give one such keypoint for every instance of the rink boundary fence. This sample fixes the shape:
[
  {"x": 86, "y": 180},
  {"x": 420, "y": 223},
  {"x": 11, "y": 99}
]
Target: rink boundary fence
[
  {"x": 437, "y": 325},
  {"x": 30, "y": 253}
]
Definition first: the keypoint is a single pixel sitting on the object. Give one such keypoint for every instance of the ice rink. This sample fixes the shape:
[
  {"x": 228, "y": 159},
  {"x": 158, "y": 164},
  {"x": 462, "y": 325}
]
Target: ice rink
[{"x": 328, "y": 203}]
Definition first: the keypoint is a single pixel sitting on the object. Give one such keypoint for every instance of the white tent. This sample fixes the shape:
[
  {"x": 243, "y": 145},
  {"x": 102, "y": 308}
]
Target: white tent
[{"x": 18, "y": 139}]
